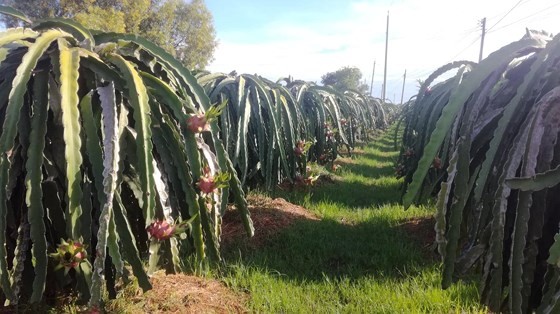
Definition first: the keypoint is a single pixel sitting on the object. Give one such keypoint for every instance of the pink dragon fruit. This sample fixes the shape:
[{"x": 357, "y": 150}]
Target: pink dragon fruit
[
  {"x": 198, "y": 123},
  {"x": 206, "y": 184},
  {"x": 161, "y": 230}
]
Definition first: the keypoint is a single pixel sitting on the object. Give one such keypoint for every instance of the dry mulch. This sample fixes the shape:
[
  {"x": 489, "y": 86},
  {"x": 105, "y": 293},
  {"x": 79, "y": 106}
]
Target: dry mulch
[
  {"x": 269, "y": 217},
  {"x": 179, "y": 293}
]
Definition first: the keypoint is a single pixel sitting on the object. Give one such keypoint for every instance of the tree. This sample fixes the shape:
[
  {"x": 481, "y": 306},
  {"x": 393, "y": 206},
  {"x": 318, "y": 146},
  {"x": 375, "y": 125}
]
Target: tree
[
  {"x": 96, "y": 18},
  {"x": 344, "y": 79},
  {"x": 193, "y": 36},
  {"x": 185, "y": 29},
  {"x": 34, "y": 9}
]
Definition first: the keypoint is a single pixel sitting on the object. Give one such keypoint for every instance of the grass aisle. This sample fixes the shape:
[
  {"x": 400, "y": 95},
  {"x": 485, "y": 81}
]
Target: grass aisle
[{"x": 355, "y": 259}]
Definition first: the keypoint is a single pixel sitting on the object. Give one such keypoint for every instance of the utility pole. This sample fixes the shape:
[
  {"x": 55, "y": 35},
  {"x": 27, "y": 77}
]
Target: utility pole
[
  {"x": 386, "y": 49},
  {"x": 483, "y": 24},
  {"x": 403, "y": 82},
  {"x": 372, "y": 75}
]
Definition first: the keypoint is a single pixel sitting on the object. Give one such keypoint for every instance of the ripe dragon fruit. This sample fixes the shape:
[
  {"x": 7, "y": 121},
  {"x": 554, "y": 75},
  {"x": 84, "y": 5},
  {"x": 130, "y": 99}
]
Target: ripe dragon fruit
[
  {"x": 198, "y": 123},
  {"x": 206, "y": 184},
  {"x": 161, "y": 230},
  {"x": 209, "y": 183}
]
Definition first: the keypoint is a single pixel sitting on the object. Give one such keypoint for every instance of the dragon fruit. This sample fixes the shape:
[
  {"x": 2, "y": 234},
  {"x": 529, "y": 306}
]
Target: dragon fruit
[
  {"x": 161, "y": 230},
  {"x": 208, "y": 183},
  {"x": 198, "y": 123},
  {"x": 69, "y": 255}
]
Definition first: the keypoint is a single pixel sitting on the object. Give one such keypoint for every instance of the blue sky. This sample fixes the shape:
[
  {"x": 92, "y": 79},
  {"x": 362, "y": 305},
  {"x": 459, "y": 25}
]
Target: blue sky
[{"x": 309, "y": 38}]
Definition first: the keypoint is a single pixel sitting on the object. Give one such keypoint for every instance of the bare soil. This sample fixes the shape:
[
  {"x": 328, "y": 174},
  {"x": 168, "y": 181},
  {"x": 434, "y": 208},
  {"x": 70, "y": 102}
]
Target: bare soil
[{"x": 422, "y": 231}]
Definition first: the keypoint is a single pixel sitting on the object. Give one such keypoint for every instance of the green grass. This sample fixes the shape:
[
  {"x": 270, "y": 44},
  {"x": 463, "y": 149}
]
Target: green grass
[{"x": 355, "y": 259}]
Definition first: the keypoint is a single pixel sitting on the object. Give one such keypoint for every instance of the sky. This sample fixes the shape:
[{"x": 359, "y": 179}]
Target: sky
[{"x": 308, "y": 38}]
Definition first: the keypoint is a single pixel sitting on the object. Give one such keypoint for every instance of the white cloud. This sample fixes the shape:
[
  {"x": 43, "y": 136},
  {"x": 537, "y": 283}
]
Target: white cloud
[{"x": 423, "y": 36}]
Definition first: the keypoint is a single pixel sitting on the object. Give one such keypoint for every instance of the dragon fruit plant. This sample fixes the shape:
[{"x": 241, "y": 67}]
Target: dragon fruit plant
[
  {"x": 104, "y": 131},
  {"x": 485, "y": 141}
]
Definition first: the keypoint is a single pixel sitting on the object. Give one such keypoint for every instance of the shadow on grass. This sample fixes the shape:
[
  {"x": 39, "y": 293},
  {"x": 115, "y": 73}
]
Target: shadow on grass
[
  {"x": 380, "y": 157},
  {"x": 385, "y": 169},
  {"x": 385, "y": 141},
  {"x": 350, "y": 191},
  {"x": 357, "y": 195},
  {"x": 361, "y": 185},
  {"x": 312, "y": 250},
  {"x": 384, "y": 144}
]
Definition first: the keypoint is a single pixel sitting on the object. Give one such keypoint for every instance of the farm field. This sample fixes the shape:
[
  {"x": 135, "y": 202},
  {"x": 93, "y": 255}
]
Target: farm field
[
  {"x": 359, "y": 256},
  {"x": 343, "y": 246},
  {"x": 136, "y": 180}
]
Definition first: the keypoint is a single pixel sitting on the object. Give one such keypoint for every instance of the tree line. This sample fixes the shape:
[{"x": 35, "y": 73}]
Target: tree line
[{"x": 184, "y": 29}]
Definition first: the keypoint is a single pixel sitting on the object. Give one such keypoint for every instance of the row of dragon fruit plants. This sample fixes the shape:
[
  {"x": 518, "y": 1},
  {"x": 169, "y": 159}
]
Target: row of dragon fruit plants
[
  {"x": 485, "y": 144},
  {"x": 272, "y": 129},
  {"x": 111, "y": 145}
]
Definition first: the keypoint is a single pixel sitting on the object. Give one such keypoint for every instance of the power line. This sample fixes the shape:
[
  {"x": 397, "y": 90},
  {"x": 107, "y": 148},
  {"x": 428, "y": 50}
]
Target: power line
[
  {"x": 440, "y": 35},
  {"x": 527, "y": 17},
  {"x": 496, "y": 29},
  {"x": 472, "y": 43},
  {"x": 467, "y": 32},
  {"x": 464, "y": 49},
  {"x": 508, "y": 12},
  {"x": 423, "y": 73},
  {"x": 493, "y": 29}
]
